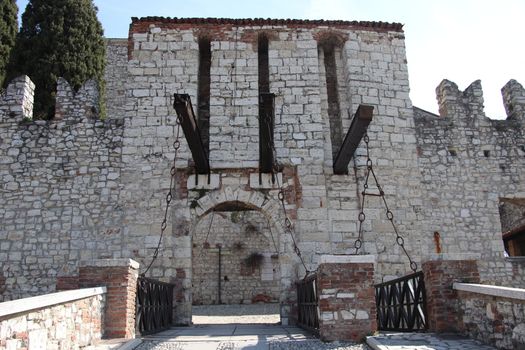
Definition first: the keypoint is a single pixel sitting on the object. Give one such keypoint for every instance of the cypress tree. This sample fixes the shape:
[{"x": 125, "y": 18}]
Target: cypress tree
[
  {"x": 8, "y": 30},
  {"x": 59, "y": 38}
]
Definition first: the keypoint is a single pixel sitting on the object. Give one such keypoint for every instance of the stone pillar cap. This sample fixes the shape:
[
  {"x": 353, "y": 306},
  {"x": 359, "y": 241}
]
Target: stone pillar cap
[
  {"x": 453, "y": 256},
  {"x": 111, "y": 263},
  {"x": 347, "y": 259}
]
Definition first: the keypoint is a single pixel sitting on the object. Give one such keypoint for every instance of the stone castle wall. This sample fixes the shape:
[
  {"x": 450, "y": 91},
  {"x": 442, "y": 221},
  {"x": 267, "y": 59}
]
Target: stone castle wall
[
  {"x": 77, "y": 188},
  {"x": 470, "y": 164},
  {"x": 60, "y": 188}
]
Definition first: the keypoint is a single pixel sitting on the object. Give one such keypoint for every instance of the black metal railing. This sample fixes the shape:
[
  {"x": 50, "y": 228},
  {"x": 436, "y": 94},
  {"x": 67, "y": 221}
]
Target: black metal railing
[
  {"x": 154, "y": 305},
  {"x": 401, "y": 304},
  {"x": 308, "y": 304}
]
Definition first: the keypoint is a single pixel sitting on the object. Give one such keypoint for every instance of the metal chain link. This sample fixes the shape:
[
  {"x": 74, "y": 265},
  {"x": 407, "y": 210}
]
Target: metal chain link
[
  {"x": 169, "y": 196},
  {"x": 389, "y": 215}
]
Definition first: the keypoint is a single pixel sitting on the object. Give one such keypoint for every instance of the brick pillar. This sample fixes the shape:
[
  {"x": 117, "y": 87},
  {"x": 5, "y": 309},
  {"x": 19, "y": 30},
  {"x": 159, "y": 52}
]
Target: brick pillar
[
  {"x": 120, "y": 278},
  {"x": 442, "y": 299},
  {"x": 346, "y": 297}
]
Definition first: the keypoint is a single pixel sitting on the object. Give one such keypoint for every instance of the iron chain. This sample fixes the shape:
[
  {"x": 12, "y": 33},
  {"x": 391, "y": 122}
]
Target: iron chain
[
  {"x": 169, "y": 196},
  {"x": 400, "y": 241}
]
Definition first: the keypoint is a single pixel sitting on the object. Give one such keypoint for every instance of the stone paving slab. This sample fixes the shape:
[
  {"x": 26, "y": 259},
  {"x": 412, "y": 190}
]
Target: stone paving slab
[
  {"x": 250, "y": 345},
  {"x": 424, "y": 341},
  {"x": 235, "y": 314},
  {"x": 239, "y": 336}
]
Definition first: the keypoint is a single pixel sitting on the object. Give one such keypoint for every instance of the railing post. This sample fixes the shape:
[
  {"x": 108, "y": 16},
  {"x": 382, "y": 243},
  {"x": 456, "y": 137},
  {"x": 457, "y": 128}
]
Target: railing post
[
  {"x": 442, "y": 299},
  {"x": 346, "y": 297},
  {"x": 120, "y": 278}
]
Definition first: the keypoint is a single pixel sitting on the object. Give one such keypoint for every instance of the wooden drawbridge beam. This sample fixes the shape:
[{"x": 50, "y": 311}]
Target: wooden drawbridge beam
[
  {"x": 362, "y": 118},
  {"x": 188, "y": 121}
]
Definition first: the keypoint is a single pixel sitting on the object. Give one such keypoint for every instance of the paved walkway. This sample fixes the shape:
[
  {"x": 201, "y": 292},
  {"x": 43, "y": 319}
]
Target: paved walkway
[
  {"x": 277, "y": 337},
  {"x": 256, "y": 327},
  {"x": 228, "y": 314},
  {"x": 239, "y": 336},
  {"x": 424, "y": 341}
]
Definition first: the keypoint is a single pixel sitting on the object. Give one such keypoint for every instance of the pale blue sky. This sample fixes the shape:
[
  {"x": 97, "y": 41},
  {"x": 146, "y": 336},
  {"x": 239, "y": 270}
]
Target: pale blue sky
[{"x": 460, "y": 40}]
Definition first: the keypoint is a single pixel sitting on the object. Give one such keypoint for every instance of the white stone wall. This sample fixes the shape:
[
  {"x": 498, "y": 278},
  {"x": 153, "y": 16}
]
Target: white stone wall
[
  {"x": 59, "y": 193},
  {"x": 234, "y": 125},
  {"x": 115, "y": 77},
  {"x": 468, "y": 162},
  {"x": 70, "y": 324}
]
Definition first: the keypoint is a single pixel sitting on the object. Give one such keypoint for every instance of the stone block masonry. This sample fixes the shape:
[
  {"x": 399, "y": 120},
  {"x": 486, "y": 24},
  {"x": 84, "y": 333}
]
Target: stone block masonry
[
  {"x": 59, "y": 188},
  {"x": 493, "y": 315},
  {"x": 115, "y": 77},
  {"x": 347, "y": 305},
  {"x": 65, "y": 320},
  {"x": 249, "y": 269},
  {"x": 456, "y": 302},
  {"x": 470, "y": 166},
  {"x": 18, "y": 98}
]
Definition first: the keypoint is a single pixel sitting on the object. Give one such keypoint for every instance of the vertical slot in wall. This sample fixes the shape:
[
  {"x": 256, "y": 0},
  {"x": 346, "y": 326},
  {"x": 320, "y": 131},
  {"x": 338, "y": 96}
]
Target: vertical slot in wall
[
  {"x": 203, "y": 98},
  {"x": 266, "y": 108},
  {"x": 334, "y": 112}
]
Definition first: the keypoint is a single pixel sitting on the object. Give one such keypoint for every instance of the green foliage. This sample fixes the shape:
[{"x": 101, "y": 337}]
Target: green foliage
[
  {"x": 235, "y": 217},
  {"x": 59, "y": 38},
  {"x": 8, "y": 30}
]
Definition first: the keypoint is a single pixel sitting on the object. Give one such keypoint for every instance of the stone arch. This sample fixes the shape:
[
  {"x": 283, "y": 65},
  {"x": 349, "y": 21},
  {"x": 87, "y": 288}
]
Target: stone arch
[
  {"x": 331, "y": 39},
  {"x": 256, "y": 200}
]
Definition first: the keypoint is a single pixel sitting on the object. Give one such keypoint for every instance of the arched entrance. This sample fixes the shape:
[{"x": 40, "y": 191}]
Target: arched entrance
[
  {"x": 235, "y": 257},
  {"x": 238, "y": 251}
]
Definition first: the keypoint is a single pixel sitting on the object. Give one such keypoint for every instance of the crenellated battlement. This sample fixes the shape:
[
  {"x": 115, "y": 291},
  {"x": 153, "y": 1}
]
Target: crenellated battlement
[
  {"x": 469, "y": 104},
  {"x": 16, "y": 102}
]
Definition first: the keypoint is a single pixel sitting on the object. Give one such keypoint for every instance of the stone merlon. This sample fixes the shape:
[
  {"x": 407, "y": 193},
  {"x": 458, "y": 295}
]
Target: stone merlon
[
  {"x": 468, "y": 104},
  {"x": 17, "y": 100},
  {"x": 514, "y": 99},
  {"x": 83, "y": 103}
]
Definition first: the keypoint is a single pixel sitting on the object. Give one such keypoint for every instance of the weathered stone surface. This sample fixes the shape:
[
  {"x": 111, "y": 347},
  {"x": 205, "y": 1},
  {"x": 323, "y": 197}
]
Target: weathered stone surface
[
  {"x": 78, "y": 188},
  {"x": 493, "y": 320},
  {"x": 68, "y": 325}
]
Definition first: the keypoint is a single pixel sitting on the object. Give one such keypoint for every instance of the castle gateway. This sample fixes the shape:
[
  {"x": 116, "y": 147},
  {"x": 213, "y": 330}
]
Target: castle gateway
[{"x": 272, "y": 178}]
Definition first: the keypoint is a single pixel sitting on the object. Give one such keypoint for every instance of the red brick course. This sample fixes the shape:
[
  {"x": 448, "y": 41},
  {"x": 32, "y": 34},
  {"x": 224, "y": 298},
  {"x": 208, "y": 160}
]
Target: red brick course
[
  {"x": 66, "y": 283},
  {"x": 442, "y": 300},
  {"x": 347, "y": 301},
  {"x": 121, "y": 284},
  {"x": 220, "y": 25}
]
